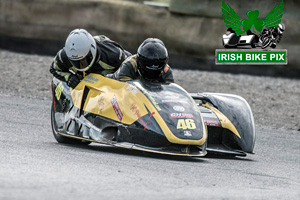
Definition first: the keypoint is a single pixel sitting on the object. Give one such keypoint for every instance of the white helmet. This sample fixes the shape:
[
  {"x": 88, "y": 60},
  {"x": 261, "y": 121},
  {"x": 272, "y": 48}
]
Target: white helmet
[{"x": 81, "y": 50}]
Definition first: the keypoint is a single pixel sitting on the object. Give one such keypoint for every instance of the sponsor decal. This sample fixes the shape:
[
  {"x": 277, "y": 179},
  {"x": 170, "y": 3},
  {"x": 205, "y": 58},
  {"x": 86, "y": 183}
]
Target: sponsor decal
[
  {"x": 178, "y": 108},
  {"x": 187, "y": 133},
  {"x": 186, "y": 124},
  {"x": 132, "y": 89},
  {"x": 252, "y": 32},
  {"x": 136, "y": 111},
  {"x": 211, "y": 123},
  {"x": 182, "y": 115},
  {"x": 101, "y": 103},
  {"x": 116, "y": 108},
  {"x": 58, "y": 90},
  {"x": 90, "y": 79}
]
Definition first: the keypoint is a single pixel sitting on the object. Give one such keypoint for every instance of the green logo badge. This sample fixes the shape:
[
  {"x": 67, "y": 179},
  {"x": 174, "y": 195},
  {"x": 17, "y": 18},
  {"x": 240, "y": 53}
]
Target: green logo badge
[
  {"x": 232, "y": 20},
  {"x": 252, "y": 32}
]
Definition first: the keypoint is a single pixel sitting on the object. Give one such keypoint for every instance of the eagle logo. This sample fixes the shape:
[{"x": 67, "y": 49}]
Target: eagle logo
[
  {"x": 262, "y": 33},
  {"x": 232, "y": 20}
]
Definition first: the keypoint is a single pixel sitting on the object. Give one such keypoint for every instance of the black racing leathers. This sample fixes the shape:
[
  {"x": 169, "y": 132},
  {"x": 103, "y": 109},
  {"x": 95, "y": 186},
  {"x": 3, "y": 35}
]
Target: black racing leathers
[
  {"x": 129, "y": 71},
  {"x": 109, "y": 57}
]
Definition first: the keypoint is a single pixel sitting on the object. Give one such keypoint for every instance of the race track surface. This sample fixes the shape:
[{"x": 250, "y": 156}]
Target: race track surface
[{"x": 34, "y": 166}]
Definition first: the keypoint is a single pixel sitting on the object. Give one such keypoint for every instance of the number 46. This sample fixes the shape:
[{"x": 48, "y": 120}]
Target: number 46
[{"x": 186, "y": 124}]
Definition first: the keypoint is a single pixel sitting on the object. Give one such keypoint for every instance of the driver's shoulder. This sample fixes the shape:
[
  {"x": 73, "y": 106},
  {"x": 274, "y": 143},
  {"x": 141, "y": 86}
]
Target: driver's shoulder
[
  {"x": 101, "y": 38},
  {"x": 62, "y": 58},
  {"x": 130, "y": 62}
]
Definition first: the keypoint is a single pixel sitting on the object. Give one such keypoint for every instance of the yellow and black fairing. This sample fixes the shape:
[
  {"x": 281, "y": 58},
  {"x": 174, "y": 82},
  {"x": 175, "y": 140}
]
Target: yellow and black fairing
[
  {"x": 230, "y": 123},
  {"x": 132, "y": 115}
]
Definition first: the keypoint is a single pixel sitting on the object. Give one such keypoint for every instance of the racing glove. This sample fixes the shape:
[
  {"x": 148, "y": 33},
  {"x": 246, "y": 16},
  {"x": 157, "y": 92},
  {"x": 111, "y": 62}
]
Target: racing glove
[{"x": 73, "y": 81}]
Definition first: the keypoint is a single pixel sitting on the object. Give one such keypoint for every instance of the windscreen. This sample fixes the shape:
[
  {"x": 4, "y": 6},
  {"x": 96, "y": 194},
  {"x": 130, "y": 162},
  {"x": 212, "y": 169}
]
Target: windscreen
[{"x": 175, "y": 106}]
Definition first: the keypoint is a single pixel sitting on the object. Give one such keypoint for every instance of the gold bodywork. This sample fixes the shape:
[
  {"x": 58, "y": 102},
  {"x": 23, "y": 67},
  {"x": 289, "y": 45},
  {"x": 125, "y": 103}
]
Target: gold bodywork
[
  {"x": 225, "y": 122},
  {"x": 131, "y": 104}
]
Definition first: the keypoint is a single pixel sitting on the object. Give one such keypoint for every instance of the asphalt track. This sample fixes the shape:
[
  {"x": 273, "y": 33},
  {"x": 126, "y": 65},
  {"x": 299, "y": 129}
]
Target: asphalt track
[{"x": 34, "y": 166}]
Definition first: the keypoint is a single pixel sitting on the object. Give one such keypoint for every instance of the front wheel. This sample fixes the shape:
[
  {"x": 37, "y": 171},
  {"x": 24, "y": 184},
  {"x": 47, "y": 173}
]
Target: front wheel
[
  {"x": 266, "y": 42},
  {"x": 62, "y": 139}
]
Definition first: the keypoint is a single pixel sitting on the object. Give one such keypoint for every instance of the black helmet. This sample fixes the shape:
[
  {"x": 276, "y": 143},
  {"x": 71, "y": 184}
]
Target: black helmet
[{"x": 152, "y": 57}]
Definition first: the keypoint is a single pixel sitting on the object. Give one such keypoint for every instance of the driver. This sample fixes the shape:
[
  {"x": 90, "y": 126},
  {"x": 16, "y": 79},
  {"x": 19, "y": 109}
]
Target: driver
[
  {"x": 150, "y": 63},
  {"x": 84, "y": 54}
]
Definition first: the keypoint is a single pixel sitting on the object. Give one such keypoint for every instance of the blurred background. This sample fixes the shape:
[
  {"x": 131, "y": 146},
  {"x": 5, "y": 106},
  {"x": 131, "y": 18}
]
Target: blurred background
[{"x": 191, "y": 29}]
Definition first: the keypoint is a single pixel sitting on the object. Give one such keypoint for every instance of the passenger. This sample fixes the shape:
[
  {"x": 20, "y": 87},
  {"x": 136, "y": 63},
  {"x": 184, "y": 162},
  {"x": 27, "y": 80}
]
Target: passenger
[
  {"x": 84, "y": 54},
  {"x": 150, "y": 63}
]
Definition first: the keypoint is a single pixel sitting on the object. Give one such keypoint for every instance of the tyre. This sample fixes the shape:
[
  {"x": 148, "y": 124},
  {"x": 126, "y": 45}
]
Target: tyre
[
  {"x": 62, "y": 139},
  {"x": 266, "y": 42},
  {"x": 273, "y": 45},
  {"x": 253, "y": 44}
]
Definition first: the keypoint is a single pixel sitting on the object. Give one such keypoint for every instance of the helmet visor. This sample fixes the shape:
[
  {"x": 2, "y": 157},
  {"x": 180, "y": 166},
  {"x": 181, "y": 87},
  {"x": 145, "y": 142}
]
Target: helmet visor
[
  {"x": 151, "y": 68},
  {"x": 84, "y": 63},
  {"x": 152, "y": 64}
]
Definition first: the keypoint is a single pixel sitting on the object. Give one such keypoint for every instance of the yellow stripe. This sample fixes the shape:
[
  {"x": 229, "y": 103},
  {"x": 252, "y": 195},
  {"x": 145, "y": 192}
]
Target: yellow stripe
[
  {"x": 97, "y": 38},
  {"x": 105, "y": 66},
  {"x": 225, "y": 122},
  {"x": 132, "y": 60},
  {"x": 124, "y": 78},
  {"x": 66, "y": 75}
]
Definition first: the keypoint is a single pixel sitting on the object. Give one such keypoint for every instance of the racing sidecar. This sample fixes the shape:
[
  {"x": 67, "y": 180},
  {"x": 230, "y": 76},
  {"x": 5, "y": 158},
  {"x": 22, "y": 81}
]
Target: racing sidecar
[
  {"x": 231, "y": 40},
  {"x": 152, "y": 117}
]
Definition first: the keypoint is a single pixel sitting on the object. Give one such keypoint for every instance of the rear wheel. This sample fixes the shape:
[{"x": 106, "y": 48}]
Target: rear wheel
[
  {"x": 62, "y": 139},
  {"x": 253, "y": 44}
]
